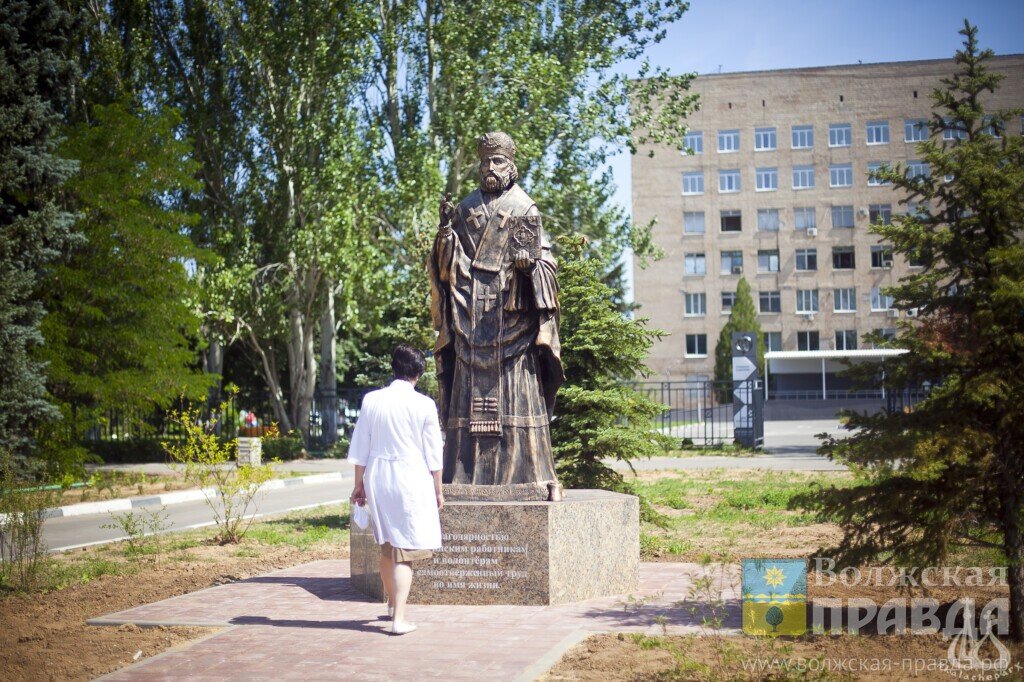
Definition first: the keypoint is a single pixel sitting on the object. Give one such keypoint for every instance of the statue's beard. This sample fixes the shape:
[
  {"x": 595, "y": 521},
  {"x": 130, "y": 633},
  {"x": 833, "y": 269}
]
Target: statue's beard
[{"x": 495, "y": 182}]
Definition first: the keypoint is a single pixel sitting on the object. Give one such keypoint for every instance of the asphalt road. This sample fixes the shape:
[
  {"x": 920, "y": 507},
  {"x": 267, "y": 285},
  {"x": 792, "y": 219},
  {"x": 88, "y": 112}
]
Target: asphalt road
[{"x": 70, "y": 532}]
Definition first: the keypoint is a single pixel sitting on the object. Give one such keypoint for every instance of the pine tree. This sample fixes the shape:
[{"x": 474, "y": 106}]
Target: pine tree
[
  {"x": 949, "y": 473},
  {"x": 36, "y": 82},
  {"x": 742, "y": 318},
  {"x": 598, "y": 415},
  {"x": 120, "y": 325}
]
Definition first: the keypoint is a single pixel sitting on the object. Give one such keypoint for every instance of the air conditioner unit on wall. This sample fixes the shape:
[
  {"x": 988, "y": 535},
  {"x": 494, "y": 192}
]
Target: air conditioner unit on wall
[
  {"x": 912, "y": 312},
  {"x": 737, "y": 269},
  {"x": 812, "y": 232},
  {"x": 893, "y": 313}
]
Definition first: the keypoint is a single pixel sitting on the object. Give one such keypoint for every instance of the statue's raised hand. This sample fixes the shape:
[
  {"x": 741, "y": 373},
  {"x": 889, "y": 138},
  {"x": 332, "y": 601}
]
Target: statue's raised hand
[{"x": 447, "y": 210}]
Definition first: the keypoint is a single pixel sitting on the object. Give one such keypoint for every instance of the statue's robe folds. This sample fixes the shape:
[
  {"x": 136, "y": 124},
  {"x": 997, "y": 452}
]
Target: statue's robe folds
[{"x": 497, "y": 351}]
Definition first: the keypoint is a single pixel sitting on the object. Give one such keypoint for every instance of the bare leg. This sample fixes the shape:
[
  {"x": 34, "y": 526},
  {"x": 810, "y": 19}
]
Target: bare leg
[
  {"x": 402, "y": 583},
  {"x": 387, "y": 574}
]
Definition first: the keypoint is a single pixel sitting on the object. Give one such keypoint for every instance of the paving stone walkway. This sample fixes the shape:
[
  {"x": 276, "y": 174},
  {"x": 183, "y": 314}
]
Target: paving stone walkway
[{"x": 306, "y": 622}]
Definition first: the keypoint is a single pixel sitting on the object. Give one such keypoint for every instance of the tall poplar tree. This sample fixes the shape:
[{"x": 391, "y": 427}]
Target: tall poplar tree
[
  {"x": 949, "y": 473},
  {"x": 36, "y": 82}
]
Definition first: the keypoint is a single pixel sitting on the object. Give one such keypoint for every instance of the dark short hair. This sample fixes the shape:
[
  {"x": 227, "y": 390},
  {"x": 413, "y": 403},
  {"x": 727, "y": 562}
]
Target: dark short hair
[{"x": 407, "y": 362}]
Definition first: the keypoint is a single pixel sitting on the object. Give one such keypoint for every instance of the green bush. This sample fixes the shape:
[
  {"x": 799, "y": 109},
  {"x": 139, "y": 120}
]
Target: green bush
[
  {"x": 134, "y": 451},
  {"x": 284, "y": 447}
]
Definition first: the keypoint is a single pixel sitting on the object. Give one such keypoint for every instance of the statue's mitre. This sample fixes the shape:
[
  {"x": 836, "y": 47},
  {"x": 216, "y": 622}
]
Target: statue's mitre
[{"x": 489, "y": 144}]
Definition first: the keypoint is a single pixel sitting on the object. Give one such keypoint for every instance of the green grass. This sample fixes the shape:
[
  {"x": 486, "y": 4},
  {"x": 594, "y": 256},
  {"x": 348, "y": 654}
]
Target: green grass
[
  {"x": 302, "y": 530},
  {"x": 716, "y": 450},
  {"x": 716, "y": 509}
]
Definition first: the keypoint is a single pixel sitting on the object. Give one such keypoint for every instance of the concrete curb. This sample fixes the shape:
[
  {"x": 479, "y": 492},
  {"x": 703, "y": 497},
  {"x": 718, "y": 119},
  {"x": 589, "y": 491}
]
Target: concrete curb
[{"x": 178, "y": 496}]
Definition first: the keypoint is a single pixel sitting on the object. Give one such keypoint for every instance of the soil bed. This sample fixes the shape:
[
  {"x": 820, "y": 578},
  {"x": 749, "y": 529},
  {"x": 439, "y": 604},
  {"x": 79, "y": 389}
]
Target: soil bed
[{"x": 44, "y": 635}]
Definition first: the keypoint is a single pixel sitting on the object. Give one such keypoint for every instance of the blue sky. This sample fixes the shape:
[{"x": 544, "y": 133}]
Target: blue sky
[{"x": 744, "y": 35}]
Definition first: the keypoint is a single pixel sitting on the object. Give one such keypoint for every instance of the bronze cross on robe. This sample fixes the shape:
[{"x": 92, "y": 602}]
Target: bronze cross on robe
[
  {"x": 488, "y": 299},
  {"x": 477, "y": 216},
  {"x": 504, "y": 214}
]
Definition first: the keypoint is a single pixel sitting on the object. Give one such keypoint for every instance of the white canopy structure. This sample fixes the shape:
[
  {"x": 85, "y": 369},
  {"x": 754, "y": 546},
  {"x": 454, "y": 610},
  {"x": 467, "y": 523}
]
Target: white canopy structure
[{"x": 823, "y": 361}]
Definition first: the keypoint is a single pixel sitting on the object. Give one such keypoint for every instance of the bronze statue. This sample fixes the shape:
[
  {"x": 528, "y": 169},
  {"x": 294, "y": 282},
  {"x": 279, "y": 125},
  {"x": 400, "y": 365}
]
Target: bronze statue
[{"x": 495, "y": 307}]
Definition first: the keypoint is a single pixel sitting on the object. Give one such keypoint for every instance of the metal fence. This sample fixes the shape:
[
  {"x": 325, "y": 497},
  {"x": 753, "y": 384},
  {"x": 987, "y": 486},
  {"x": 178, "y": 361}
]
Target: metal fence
[
  {"x": 239, "y": 417},
  {"x": 701, "y": 411}
]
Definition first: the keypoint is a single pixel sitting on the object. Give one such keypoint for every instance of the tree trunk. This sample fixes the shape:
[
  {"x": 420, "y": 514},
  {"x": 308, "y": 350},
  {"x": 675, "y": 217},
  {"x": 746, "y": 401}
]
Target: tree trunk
[
  {"x": 267, "y": 366},
  {"x": 328, "y": 371},
  {"x": 1013, "y": 534},
  {"x": 213, "y": 363}
]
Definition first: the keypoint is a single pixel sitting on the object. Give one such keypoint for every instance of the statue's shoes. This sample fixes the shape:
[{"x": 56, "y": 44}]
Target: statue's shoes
[{"x": 401, "y": 627}]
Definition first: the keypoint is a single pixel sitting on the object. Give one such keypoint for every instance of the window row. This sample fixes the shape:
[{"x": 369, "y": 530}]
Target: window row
[
  {"x": 845, "y": 339},
  {"x": 767, "y": 179},
  {"x": 843, "y": 258},
  {"x": 844, "y": 300},
  {"x": 839, "y": 135},
  {"x": 771, "y": 220}
]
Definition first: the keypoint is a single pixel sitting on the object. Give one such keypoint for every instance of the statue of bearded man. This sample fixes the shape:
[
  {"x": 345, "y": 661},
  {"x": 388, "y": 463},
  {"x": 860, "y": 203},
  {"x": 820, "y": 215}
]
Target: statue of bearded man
[{"x": 495, "y": 308}]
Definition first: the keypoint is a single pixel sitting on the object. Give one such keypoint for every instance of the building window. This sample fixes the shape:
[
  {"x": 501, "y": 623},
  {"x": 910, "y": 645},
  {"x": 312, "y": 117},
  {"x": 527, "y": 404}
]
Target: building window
[
  {"x": 845, "y": 300},
  {"x": 839, "y": 135},
  {"x": 876, "y": 167},
  {"x": 729, "y": 181},
  {"x": 953, "y": 130},
  {"x": 768, "y": 219},
  {"x": 846, "y": 339},
  {"x": 807, "y": 300},
  {"x": 842, "y": 216},
  {"x": 728, "y": 141},
  {"x": 732, "y": 262},
  {"x": 840, "y": 175},
  {"x": 731, "y": 221},
  {"x": 880, "y": 213},
  {"x": 767, "y": 179},
  {"x": 770, "y": 301},
  {"x": 881, "y": 256},
  {"x": 697, "y": 345},
  {"x": 807, "y": 341},
  {"x": 693, "y": 142},
  {"x": 843, "y": 258},
  {"x": 879, "y": 301},
  {"x": 696, "y": 305},
  {"x": 764, "y": 139},
  {"x": 804, "y": 217},
  {"x": 803, "y": 137},
  {"x": 768, "y": 261},
  {"x": 693, "y": 183},
  {"x": 693, "y": 222},
  {"x": 919, "y": 169},
  {"x": 695, "y": 264},
  {"x": 915, "y": 130},
  {"x": 728, "y": 301},
  {"x": 878, "y": 132},
  {"x": 803, "y": 177},
  {"x": 806, "y": 259},
  {"x": 772, "y": 340}
]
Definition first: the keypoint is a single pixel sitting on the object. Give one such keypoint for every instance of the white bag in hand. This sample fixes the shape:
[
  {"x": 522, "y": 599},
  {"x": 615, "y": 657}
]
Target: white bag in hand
[{"x": 360, "y": 515}]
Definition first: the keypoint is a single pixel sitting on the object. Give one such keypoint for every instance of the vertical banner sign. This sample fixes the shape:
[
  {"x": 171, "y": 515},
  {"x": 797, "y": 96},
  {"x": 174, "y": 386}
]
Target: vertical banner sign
[
  {"x": 744, "y": 383},
  {"x": 774, "y": 596}
]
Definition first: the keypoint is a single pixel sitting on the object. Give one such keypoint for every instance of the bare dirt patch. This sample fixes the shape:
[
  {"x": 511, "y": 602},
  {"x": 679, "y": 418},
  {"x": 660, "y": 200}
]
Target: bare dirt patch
[
  {"x": 45, "y": 636},
  {"x": 636, "y": 657}
]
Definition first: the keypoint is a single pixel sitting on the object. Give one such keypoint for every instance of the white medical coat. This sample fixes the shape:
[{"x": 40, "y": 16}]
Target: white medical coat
[{"x": 398, "y": 439}]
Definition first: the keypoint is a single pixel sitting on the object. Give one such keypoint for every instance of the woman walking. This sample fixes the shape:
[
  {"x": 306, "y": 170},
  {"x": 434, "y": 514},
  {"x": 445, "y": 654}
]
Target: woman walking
[{"x": 397, "y": 450}]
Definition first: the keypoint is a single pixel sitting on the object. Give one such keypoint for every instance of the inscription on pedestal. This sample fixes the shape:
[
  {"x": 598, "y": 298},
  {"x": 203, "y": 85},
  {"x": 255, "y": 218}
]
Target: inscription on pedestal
[
  {"x": 520, "y": 552},
  {"x": 476, "y": 561}
]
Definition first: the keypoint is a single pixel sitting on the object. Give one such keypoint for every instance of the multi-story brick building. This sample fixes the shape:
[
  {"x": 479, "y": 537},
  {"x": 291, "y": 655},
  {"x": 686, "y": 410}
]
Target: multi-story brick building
[{"x": 777, "y": 191}]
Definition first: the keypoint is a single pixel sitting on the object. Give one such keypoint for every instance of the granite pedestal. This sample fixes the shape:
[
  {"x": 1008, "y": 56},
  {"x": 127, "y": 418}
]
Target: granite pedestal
[{"x": 516, "y": 552}]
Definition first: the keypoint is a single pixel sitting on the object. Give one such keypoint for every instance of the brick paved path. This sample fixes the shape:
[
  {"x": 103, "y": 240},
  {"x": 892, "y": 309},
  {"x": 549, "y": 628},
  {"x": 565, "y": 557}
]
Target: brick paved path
[{"x": 306, "y": 622}]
